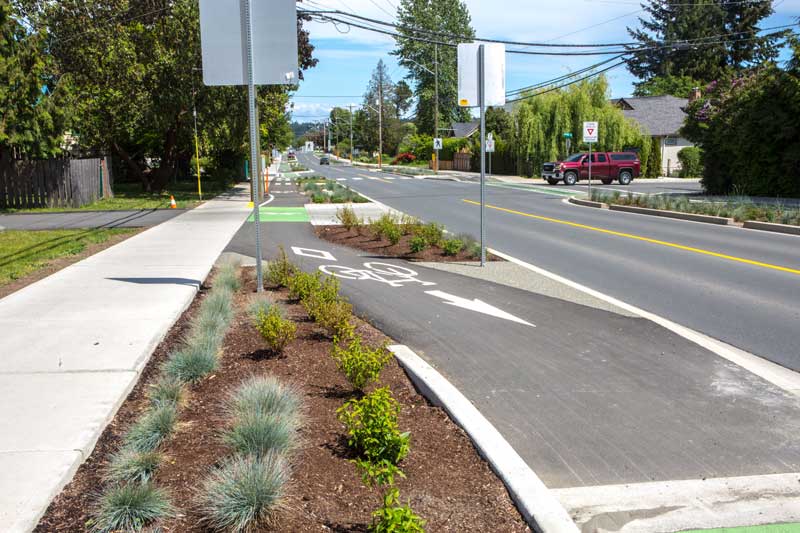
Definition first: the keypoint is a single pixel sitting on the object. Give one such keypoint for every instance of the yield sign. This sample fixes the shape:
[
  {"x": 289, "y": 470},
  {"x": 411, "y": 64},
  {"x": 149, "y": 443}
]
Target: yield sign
[{"x": 590, "y": 131}]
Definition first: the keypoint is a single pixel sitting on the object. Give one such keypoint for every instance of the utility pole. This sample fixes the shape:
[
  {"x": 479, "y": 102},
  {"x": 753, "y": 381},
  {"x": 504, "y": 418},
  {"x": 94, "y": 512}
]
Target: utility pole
[
  {"x": 196, "y": 138},
  {"x": 380, "y": 123},
  {"x": 324, "y": 135},
  {"x": 436, "y": 104},
  {"x": 351, "y": 133}
]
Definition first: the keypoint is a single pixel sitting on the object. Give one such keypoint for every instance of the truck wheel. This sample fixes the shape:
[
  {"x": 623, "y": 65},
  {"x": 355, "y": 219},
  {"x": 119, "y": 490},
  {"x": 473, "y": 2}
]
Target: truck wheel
[
  {"x": 606, "y": 181},
  {"x": 625, "y": 177},
  {"x": 570, "y": 178},
  {"x": 552, "y": 181}
]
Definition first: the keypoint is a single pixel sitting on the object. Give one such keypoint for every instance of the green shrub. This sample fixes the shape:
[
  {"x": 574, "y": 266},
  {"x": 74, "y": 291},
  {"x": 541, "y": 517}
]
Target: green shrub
[
  {"x": 393, "y": 517},
  {"x": 410, "y": 225},
  {"x": 347, "y": 217},
  {"x": 378, "y": 474},
  {"x": 280, "y": 271},
  {"x": 360, "y": 364},
  {"x": 244, "y": 493},
  {"x": 328, "y": 309},
  {"x": 418, "y": 244},
  {"x": 257, "y": 434},
  {"x": 264, "y": 395},
  {"x": 152, "y": 429},
  {"x": 452, "y": 247},
  {"x": 386, "y": 226},
  {"x": 131, "y": 507},
  {"x": 691, "y": 162},
  {"x": 276, "y": 330},
  {"x": 166, "y": 390},
  {"x": 372, "y": 429},
  {"x": 214, "y": 315},
  {"x": 432, "y": 233},
  {"x": 302, "y": 284},
  {"x": 319, "y": 198},
  {"x": 132, "y": 466}
]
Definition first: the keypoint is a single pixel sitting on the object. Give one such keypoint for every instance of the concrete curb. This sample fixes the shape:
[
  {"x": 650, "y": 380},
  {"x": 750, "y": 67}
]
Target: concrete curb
[
  {"x": 770, "y": 226},
  {"x": 721, "y": 221},
  {"x": 539, "y": 507},
  {"x": 585, "y": 203}
]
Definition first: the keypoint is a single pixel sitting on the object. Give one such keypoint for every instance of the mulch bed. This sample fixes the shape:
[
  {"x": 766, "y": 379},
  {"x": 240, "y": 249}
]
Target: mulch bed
[
  {"x": 365, "y": 240},
  {"x": 447, "y": 483}
]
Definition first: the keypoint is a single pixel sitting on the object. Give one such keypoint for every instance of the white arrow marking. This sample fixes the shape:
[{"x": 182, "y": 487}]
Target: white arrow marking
[{"x": 478, "y": 306}]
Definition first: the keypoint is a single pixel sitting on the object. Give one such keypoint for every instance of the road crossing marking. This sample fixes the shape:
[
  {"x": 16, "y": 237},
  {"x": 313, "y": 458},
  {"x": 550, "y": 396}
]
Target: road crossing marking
[{"x": 643, "y": 239}]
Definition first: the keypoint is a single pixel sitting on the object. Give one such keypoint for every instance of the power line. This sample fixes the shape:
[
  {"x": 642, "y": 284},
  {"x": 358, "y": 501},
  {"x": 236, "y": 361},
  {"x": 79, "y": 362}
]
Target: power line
[
  {"x": 559, "y": 87},
  {"x": 562, "y": 78}
]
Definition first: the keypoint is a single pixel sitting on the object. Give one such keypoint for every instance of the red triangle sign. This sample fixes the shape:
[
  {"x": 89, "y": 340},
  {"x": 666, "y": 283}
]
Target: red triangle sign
[{"x": 590, "y": 130}]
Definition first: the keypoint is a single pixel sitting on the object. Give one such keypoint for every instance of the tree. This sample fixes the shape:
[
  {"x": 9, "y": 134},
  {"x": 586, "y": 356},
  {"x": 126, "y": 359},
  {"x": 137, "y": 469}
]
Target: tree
[
  {"x": 403, "y": 98},
  {"x": 449, "y": 17},
  {"x": 680, "y": 86},
  {"x": 31, "y": 111},
  {"x": 708, "y": 39}
]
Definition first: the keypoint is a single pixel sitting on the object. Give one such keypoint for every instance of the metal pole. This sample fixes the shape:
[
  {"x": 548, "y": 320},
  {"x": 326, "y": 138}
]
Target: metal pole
[
  {"x": 196, "y": 139},
  {"x": 482, "y": 103},
  {"x": 351, "y": 134},
  {"x": 590, "y": 171},
  {"x": 436, "y": 104},
  {"x": 380, "y": 123},
  {"x": 255, "y": 160}
]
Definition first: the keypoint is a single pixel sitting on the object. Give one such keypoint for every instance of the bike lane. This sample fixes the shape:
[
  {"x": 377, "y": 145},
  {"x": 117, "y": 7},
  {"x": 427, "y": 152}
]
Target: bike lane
[{"x": 595, "y": 402}]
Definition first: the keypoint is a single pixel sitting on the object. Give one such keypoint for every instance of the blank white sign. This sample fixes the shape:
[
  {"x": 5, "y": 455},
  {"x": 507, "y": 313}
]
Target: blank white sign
[
  {"x": 224, "y": 42},
  {"x": 494, "y": 69}
]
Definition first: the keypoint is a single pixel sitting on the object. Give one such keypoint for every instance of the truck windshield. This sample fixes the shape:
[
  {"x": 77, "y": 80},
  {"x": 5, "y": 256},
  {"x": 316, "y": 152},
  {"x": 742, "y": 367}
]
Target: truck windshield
[{"x": 574, "y": 157}]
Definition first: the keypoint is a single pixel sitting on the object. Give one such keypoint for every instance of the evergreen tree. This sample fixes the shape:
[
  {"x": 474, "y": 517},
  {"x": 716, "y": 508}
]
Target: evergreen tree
[
  {"x": 448, "y": 17},
  {"x": 708, "y": 39}
]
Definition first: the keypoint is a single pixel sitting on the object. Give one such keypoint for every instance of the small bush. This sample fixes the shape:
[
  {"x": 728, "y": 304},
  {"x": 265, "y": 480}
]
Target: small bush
[
  {"x": 691, "y": 162},
  {"x": 193, "y": 362},
  {"x": 386, "y": 226},
  {"x": 451, "y": 247},
  {"x": 244, "y": 493},
  {"x": 418, "y": 244},
  {"x": 264, "y": 395},
  {"x": 302, "y": 284},
  {"x": 131, "y": 466},
  {"x": 152, "y": 429},
  {"x": 261, "y": 305},
  {"x": 319, "y": 198},
  {"x": 432, "y": 233},
  {"x": 228, "y": 277},
  {"x": 360, "y": 364},
  {"x": 280, "y": 271},
  {"x": 394, "y": 517},
  {"x": 131, "y": 507},
  {"x": 404, "y": 159},
  {"x": 166, "y": 390},
  {"x": 410, "y": 225},
  {"x": 257, "y": 434},
  {"x": 378, "y": 474},
  {"x": 372, "y": 429},
  {"x": 329, "y": 309},
  {"x": 347, "y": 217},
  {"x": 276, "y": 330},
  {"x": 214, "y": 315}
]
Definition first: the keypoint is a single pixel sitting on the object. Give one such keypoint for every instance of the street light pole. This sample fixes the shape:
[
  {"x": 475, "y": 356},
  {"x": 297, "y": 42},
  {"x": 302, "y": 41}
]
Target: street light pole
[
  {"x": 196, "y": 138},
  {"x": 436, "y": 104},
  {"x": 380, "y": 125},
  {"x": 351, "y": 134}
]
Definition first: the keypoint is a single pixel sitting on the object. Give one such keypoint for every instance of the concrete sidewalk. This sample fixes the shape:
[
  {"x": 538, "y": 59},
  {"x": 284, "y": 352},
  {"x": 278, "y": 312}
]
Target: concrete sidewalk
[{"x": 73, "y": 345}]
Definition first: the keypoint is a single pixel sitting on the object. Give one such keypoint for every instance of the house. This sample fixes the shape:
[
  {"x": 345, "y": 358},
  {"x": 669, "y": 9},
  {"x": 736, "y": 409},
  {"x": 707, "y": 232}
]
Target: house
[{"x": 662, "y": 117}]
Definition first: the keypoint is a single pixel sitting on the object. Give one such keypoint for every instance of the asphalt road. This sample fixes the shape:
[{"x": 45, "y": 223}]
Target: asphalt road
[
  {"x": 739, "y": 286},
  {"x": 88, "y": 219}
]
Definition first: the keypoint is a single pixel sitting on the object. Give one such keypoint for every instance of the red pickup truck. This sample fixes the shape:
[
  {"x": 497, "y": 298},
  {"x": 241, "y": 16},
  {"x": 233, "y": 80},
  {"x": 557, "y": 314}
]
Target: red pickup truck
[{"x": 606, "y": 167}]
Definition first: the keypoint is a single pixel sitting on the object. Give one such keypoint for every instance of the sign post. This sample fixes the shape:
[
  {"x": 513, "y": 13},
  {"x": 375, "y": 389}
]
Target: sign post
[
  {"x": 568, "y": 139},
  {"x": 486, "y": 65},
  {"x": 229, "y": 43},
  {"x": 590, "y": 136},
  {"x": 490, "y": 149}
]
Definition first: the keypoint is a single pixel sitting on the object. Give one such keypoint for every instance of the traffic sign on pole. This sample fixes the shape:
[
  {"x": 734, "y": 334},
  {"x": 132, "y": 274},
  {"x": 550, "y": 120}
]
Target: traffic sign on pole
[
  {"x": 437, "y": 143},
  {"x": 590, "y": 132},
  {"x": 489, "y": 145}
]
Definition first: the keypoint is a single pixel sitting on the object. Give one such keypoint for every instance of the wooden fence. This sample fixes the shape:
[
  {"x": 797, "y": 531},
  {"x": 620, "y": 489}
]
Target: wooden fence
[{"x": 53, "y": 182}]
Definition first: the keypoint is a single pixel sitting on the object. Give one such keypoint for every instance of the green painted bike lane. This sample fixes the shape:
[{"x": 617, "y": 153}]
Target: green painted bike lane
[{"x": 282, "y": 214}]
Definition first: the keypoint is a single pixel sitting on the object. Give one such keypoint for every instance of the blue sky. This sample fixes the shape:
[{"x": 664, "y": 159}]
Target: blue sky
[{"x": 346, "y": 60}]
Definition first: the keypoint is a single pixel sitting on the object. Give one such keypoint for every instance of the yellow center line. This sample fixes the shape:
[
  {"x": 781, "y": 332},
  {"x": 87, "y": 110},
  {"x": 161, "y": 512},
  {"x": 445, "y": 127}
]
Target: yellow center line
[
  {"x": 644, "y": 239},
  {"x": 377, "y": 178}
]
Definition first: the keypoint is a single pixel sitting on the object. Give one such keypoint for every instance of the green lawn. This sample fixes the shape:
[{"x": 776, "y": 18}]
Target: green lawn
[
  {"x": 131, "y": 196},
  {"x": 772, "y": 528},
  {"x": 23, "y": 252}
]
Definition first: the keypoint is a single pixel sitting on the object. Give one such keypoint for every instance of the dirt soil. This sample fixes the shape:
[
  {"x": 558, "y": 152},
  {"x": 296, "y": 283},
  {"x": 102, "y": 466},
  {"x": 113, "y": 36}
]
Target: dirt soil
[
  {"x": 365, "y": 240},
  {"x": 60, "y": 263},
  {"x": 447, "y": 483}
]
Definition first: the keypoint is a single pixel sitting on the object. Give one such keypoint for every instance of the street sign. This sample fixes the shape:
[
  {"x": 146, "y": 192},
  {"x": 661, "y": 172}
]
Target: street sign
[
  {"x": 437, "y": 143},
  {"x": 590, "y": 132},
  {"x": 489, "y": 145},
  {"x": 223, "y": 33},
  {"x": 494, "y": 74},
  {"x": 567, "y": 135}
]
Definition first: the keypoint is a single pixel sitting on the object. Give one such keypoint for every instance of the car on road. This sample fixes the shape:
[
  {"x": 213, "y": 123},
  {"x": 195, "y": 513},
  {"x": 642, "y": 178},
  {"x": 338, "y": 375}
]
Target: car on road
[
  {"x": 291, "y": 156},
  {"x": 324, "y": 159},
  {"x": 606, "y": 167}
]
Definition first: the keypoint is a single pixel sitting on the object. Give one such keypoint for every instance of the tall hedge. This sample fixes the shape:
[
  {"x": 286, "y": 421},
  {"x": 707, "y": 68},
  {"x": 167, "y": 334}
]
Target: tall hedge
[{"x": 748, "y": 130}]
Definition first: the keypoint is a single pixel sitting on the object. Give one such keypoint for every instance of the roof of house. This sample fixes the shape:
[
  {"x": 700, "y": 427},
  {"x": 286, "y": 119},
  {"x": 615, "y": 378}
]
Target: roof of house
[
  {"x": 466, "y": 129},
  {"x": 660, "y": 115}
]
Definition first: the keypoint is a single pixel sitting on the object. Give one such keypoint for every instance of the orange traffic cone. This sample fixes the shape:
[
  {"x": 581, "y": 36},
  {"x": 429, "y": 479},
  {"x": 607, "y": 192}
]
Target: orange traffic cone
[{"x": 172, "y": 204}]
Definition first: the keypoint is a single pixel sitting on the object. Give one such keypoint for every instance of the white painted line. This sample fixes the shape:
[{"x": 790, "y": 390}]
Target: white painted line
[
  {"x": 269, "y": 200},
  {"x": 779, "y": 376},
  {"x": 341, "y": 179},
  {"x": 388, "y": 178},
  {"x": 478, "y": 306},
  {"x": 664, "y": 507},
  {"x": 535, "y": 501},
  {"x": 357, "y": 179},
  {"x": 316, "y": 254}
]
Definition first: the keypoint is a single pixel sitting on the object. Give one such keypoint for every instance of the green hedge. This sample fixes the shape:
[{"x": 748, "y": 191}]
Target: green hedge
[{"x": 690, "y": 162}]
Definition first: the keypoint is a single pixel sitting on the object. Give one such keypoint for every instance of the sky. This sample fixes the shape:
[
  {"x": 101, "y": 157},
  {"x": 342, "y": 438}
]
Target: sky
[{"x": 346, "y": 60}]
